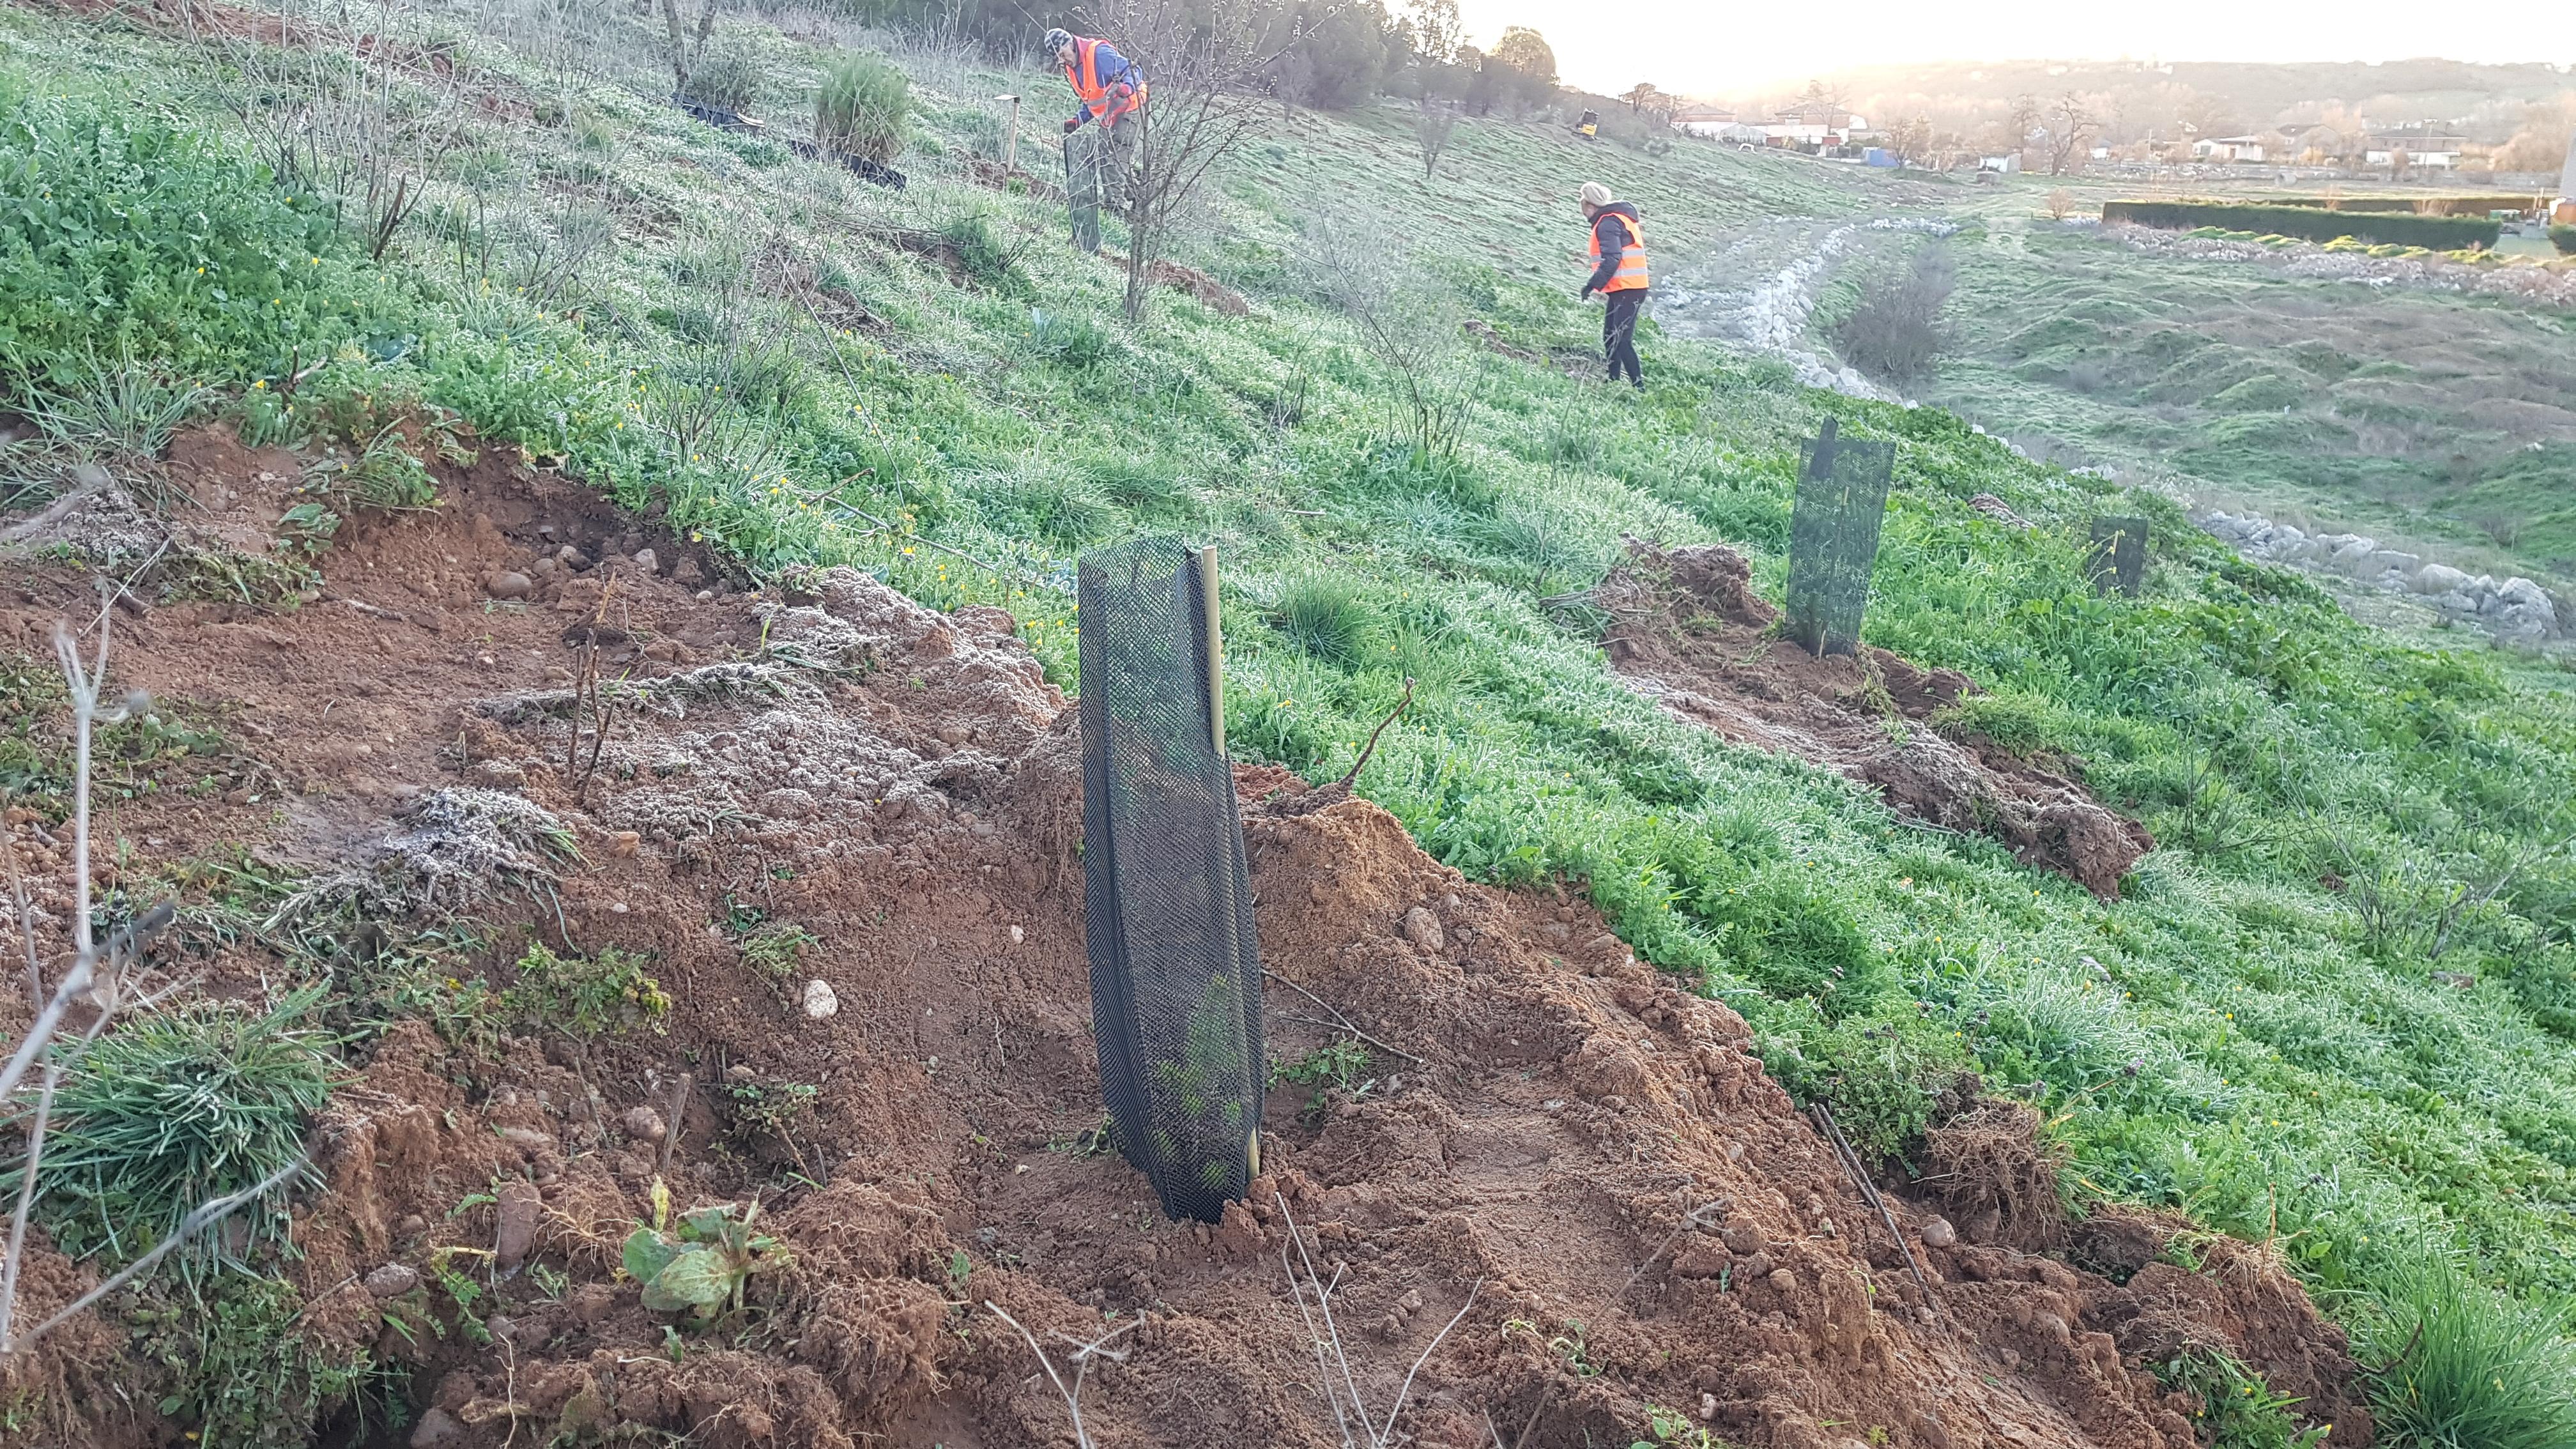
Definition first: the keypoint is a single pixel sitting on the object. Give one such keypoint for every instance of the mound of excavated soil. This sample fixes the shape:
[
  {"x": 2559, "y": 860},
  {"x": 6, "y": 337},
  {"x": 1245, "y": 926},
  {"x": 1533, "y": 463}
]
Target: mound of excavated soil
[
  {"x": 1688, "y": 631},
  {"x": 1641, "y": 1216}
]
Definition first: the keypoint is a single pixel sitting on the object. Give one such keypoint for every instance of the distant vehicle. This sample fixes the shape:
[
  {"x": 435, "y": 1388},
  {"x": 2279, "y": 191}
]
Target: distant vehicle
[{"x": 1589, "y": 128}]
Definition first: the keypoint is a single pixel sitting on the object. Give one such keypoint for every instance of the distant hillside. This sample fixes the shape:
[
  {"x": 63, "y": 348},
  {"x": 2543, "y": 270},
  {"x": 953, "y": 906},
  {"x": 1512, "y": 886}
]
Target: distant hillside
[{"x": 2140, "y": 99}]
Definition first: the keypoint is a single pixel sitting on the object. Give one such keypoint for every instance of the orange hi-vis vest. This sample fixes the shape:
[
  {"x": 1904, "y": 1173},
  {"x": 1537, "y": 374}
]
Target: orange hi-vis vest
[
  {"x": 1084, "y": 76},
  {"x": 1631, "y": 275}
]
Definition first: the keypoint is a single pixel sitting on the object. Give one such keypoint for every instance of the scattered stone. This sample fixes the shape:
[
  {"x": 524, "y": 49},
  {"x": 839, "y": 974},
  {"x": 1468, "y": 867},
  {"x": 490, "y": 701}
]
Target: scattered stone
[
  {"x": 527, "y": 1139},
  {"x": 645, "y": 562},
  {"x": 90, "y": 477},
  {"x": 1939, "y": 1234},
  {"x": 624, "y": 843},
  {"x": 821, "y": 1001},
  {"x": 741, "y": 1072},
  {"x": 519, "y": 1210},
  {"x": 643, "y": 1123},
  {"x": 1708, "y": 1408},
  {"x": 437, "y": 1429},
  {"x": 500, "y": 774},
  {"x": 502, "y": 1327},
  {"x": 1785, "y": 1280},
  {"x": 412, "y": 1225},
  {"x": 572, "y": 558},
  {"x": 393, "y": 1280},
  {"x": 1422, "y": 928},
  {"x": 1741, "y": 1239},
  {"x": 508, "y": 584},
  {"x": 1018, "y": 935}
]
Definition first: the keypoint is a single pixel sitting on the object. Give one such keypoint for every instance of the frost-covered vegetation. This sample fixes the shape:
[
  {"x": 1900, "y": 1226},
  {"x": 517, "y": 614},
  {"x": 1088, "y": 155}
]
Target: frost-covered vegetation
[{"x": 2336, "y": 1008}]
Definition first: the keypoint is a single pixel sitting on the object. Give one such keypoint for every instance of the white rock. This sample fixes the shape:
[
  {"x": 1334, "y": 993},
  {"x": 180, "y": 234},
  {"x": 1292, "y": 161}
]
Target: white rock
[
  {"x": 2439, "y": 579},
  {"x": 645, "y": 562},
  {"x": 2380, "y": 561},
  {"x": 2455, "y": 602},
  {"x": 2520, "y": 590},
  {"x": 2349, "y": 557},
  {"x": 821, "y": 1001}
]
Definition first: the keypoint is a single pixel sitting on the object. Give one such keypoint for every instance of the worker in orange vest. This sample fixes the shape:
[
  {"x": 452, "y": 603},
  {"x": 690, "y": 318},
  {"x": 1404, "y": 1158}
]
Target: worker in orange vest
[
  {"x": 1619, "y": 275},
  {"x": 1111, "y": 89}
]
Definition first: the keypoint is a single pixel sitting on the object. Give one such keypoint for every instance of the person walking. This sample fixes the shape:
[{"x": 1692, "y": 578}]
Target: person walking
[
  {"x": 1111, "y": 92},
  {"x": 1619, "y": 275}
]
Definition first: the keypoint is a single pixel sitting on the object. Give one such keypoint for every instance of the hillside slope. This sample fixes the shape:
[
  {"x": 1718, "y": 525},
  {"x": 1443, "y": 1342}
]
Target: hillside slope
[{"x": 2330, "y": 1013}]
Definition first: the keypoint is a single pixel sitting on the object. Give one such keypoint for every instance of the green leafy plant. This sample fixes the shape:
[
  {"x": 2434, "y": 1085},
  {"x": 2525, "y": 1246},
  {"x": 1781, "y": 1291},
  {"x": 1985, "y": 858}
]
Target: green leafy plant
[
  {"x": 586, "y": 997},
  {"x": 772, "y": 1107},
  {"x": 2563, "y": 238},
  {"x": 176, "y": 1108},
  {"x": 864, "y": 107},
  {"x": 1335, "y": 1066},
  {"x": 775, "y": 950},
  {"x": 125, "y": 410},
  {"x": 246, "y": 1377},
  {"x": 1672, "y": 1429},
  {"x": 700, "y": 1263}
]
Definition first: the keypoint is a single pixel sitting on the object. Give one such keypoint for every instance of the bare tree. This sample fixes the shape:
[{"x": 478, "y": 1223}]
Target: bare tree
[
  {"x": 2020, "y": 120},
  {"x": 687, "y": 43},
  {"x": 1434, "y": 121},
  {"x": 1203, "y": 65},
  {"x": 2071, "y": 123}
]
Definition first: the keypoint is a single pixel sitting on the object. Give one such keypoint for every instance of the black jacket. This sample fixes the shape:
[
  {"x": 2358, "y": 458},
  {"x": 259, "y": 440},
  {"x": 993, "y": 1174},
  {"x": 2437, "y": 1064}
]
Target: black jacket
[{"x": 1613, "y": 239}]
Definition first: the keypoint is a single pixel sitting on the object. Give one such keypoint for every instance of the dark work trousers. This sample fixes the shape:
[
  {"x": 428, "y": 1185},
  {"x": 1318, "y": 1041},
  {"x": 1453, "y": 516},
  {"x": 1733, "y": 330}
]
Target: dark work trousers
[{"x": 1619, "y": 333}]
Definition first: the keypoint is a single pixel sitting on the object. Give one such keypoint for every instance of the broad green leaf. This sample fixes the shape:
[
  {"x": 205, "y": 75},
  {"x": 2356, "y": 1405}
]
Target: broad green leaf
[
  {"x": 697, "y": 1280},
  {"x": 647, "y": 1254}
]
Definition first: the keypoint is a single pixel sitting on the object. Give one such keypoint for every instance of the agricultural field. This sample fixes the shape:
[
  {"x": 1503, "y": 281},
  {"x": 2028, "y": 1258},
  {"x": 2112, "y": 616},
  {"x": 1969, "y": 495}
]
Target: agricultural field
[
  {"x": 2416, "y": 414},
  {"x": 2332, "y": 1013}
]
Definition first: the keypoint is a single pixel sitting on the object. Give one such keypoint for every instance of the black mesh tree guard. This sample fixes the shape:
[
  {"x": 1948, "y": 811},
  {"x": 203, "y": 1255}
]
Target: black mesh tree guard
[
  {"x": 1175, "y": 967},
  {"x": 2118, "y": 560},
  {"x": 1833, "y": 538}
]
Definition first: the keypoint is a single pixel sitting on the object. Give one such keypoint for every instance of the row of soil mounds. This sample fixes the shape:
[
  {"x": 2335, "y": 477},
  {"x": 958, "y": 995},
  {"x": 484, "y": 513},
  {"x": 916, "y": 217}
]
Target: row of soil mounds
[
  {"x": 1687, "y": 630},
  {"x": 1593, "y": 1152}
]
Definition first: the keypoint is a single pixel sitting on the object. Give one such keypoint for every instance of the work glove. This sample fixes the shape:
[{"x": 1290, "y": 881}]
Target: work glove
[
  {"x": 1073, "y": 125},
  {"x": 1584, "y": 296}
]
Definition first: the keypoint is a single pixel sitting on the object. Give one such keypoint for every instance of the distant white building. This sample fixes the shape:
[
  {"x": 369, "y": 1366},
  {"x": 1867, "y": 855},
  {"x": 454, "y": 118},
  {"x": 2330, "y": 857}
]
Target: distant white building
[
  {"x": 2229, "y": 148},
  {"x": 1706, "y": 122}
]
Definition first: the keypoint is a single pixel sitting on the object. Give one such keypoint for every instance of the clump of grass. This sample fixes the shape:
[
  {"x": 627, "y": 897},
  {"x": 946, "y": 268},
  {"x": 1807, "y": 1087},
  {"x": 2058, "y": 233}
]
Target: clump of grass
[
  {"x": 2238, "y": 1410},
  {"x": 250, "y": 1380},
  {"x": 863, "y": 107},
  {"x": 1328, "y": 617},
  {"x": 980, "y": 253},
  {"x": 2468, "y": 1367},
  {"x": 174, "y": 1109},
  {"x": 730, "y": 80}
]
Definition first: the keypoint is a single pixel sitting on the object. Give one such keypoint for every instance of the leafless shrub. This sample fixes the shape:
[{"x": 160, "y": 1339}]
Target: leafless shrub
[
  {"x": 1205, "y": 64},
  {"x": 1409, "y": 322},
  {"x": 1895, "y": 333},
  {"x": 348, "y": 119},
  {"x": 1434, "y": 121},
  {"x": 1080, "y": 1363}
]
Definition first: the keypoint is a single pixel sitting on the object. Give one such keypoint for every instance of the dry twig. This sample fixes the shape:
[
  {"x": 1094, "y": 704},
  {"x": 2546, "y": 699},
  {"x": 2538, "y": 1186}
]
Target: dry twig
[
  {"x": 1083, "y": 1354},
  {"x": 1333, "y": 1359}
]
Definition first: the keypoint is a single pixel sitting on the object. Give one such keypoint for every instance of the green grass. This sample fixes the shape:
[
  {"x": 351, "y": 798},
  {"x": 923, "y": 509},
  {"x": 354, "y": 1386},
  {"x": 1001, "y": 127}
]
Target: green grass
[
  {"x": 864, "y": 107},
  {"x": 171, "y": 1110},
  {"x": 2256, "y": 1032},
  {"x": 2409, "y": 412}
]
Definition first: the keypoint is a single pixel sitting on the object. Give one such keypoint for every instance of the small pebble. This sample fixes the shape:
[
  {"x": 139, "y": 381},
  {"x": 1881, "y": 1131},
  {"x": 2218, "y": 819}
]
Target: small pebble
[
  {"x": 1939, "y": 1234},
  {"x": 643, "y": 1123},
  {"x": 645, "y": 561},
  {"x": 508, "y": 584},
  {"x": 821, "y": 1000},
  {"x": 393, "y": 1280}
]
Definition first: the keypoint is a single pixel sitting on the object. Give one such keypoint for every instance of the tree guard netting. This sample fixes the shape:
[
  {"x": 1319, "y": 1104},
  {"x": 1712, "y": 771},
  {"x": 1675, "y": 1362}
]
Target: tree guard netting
[
  {"x": 1833, "y": 538},
  {"x": 1175, "y": 966}
]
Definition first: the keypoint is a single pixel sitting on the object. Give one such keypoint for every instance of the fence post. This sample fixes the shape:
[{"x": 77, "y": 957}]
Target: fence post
[{"x": 1011, "y": 138}]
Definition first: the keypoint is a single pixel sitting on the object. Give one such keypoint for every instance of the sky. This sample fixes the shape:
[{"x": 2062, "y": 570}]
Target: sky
[{"x": 1722, "y": 50}]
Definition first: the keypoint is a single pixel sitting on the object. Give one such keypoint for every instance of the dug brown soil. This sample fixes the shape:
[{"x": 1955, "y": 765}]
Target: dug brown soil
[
  {"x": 1687, "y": 629},
  {"x": 1586, "y": 1159}
]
